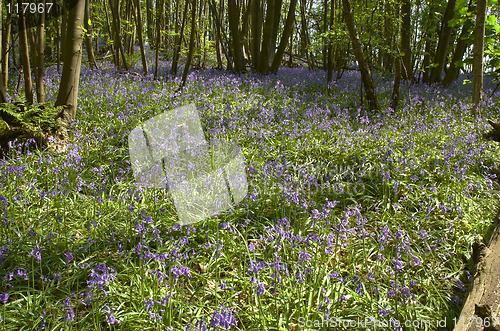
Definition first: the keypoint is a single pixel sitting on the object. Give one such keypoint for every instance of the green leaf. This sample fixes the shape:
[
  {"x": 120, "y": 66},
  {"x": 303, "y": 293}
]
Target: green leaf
[
  {"x": 89, "y": 22},
  {"x": 467, "y": 81}
]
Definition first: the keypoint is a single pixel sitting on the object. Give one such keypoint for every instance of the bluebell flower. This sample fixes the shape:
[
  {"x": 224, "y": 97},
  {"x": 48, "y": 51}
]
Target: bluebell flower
[
  {"x": 222, "y": 317},
  {"x": 36, "y": 252}
]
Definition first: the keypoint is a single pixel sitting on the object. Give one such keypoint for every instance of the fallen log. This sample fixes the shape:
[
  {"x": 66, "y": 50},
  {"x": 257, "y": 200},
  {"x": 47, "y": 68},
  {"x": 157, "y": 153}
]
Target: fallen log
[{"x": 481, "y": 310}]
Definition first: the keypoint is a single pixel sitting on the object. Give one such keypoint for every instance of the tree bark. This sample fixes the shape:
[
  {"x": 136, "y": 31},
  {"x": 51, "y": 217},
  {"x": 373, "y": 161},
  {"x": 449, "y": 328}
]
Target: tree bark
[
  {"x": 149, "y": 21},
  {"x": 3, "y": 92},
  {"x": 221, "y": 38},
  {"x": 265, "y": 53},
  {"x": 256, "y": 31},
  {"x": 25, "y": 59},
  {"x": 397, "y": 83},
  {"x": 276, "y": 25},
  {"x": 88, "y": 36},
  {"x": 40, "y": 93},
  {"x": 178, "y": 43},
  {"x": 234, "y": 28},
  {"x": 444, "y": 42},
  {"x": 287, "y": 31},
  {"x": 159, "y": 5},
  {"x": 454, "y": 67},
  {"x": 478, "y": 54},
  {"x": 114, "y": 4},
  {"x": 407, "y": 71},
  {"x": 138, "y": 20},
  {"x": 366, "y": 75},
  {"x": 72, "y": 56},
  {"x": 4, "y": 70},
  {"x": 191, "y": 43}
]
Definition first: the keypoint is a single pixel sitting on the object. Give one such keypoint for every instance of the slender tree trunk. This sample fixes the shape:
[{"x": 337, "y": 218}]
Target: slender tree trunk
[
  {"x": 454, "y": 67},
  {"x": 256, "y": 31},
  {"x": 25, "y": 59},
  {"x": 265, "y": 54},
  {"x": 114, "y": 4},
  {"x": 287, "y": 31},
  {"x": 388, "y": 58},
  {"x": 397, "y": 84},
  {"x": 366, "y": 75},
  {"x": 138, "y": 20},
  {"x": 329, "y": 72},
  {"x": 234, "y": 28},
  {"x": 40, "y": 93},
  {"x": 191, "y": 43},
  {"x": 429, "y": 41},
  {"x": 149, "y": 22},
  {"x": 478, "y": 54},
  {"x": 68, "y": 88},
  {"x": 6, "y": 27},
  {"x": 304, "y": 35},
  {"x": 178, "y": 43},
  {"x": 222, "y": 39},
  {"x": 276, "y": 25},
  {"x": 159, "y": 5},
  {"x": 114, "y": 48},
  {"x": 406, "y": 39},
  {"x": 3, "y": 92},
  {"x": 444, "y": 42},
  {"x": 88, "y": 36}
]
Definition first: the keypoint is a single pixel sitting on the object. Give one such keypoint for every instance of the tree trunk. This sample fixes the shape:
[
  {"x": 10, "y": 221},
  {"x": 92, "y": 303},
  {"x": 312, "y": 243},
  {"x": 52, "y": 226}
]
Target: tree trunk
[
  {"x": 159, "y": 5},
  {"x": 72, "y": 56},
  {"x": 191, "y": 43},
  {"x": 304, "y": 35},
  {"x": 3, "y": 92},
  {"x": 149, "y": 22},
  {"x": 388, "y": 58},
  {"x": 276, "y": 25},
  {"x": 256, "y": 31},
  {"x": 221, "y": 38},
  {"x": 114, "y": 4},
  {"x": 138, "y": 20},
  {"x": 6, "y": 26},
  {"x": 454, "y": 67},
  {"x": 25, "y": 59},
  {"x": 287, "y": 31},
  {"x": 88, "y": 36},
  {"x": 114, "y": 48},
  {"x": 234, "y": 28},
  {"x": 177, "y": 49},
  {"x": 40, "y": 93},
  {"x": 265, "y": 54},
  {"x": 329, "y": 72},
  {"x": 478, "y": 53},
  {"x": 444, "y": 42},
  {"x": 407, "y": 71},
  {"x": 397, "y": 83},
  {"x": 366, "y": 75}
]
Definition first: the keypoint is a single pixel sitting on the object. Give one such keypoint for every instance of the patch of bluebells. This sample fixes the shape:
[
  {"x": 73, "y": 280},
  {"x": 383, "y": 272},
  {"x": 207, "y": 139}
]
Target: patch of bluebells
[
  {"x": 223, "y": 317},
  {"x": 100, "y": 276},
  {"x": 256, "y": 119}
]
